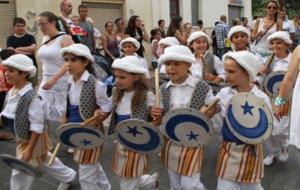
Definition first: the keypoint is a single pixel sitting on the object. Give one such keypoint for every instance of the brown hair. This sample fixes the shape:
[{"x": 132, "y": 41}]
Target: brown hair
[
  {"x": 277, "y": 6},
  {"x": 140, "y": 92}
]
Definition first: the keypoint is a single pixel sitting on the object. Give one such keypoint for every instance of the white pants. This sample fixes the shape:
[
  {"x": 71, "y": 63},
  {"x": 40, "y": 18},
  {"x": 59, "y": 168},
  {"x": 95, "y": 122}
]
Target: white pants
[
  {"x": 93, "y": 177},
  {"x": 21, "y": 181},
  {"x": 145, "y": 182},
  {"x": 231, "y": 185},
  {"x": 179, "y": 182}
]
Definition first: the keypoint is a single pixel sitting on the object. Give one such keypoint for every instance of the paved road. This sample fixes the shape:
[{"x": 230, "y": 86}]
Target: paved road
[{"x": 280, "y": 176}]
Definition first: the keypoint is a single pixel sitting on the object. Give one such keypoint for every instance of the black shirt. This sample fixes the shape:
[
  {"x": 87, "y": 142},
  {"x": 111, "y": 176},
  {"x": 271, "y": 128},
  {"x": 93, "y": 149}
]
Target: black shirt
[{"x": 24, "y": 41}]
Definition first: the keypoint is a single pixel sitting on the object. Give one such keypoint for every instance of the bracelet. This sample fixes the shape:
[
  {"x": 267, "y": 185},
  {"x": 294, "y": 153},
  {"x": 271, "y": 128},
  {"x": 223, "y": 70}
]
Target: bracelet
[{"x": 279, "y": 101}]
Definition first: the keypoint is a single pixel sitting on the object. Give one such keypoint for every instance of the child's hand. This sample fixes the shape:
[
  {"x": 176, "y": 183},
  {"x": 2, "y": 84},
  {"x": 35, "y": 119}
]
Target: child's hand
[
  {"x": 26, "y": 155},
  {"x": 156, "y": 113},
  {"x": 209, "y": 77},
  {"x": 263, "y": 69},
  {"x": 49, "y": 84},
  {"x": 101, "y": 115}
]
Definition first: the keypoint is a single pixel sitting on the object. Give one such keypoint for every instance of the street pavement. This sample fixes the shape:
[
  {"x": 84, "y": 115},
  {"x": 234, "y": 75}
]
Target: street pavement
[{"x": 280, "y": 176}]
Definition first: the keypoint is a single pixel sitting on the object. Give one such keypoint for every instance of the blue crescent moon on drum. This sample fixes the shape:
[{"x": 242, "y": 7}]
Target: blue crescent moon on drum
[
  {"x": 254, "y": 132},
  {"x": 65, "y": 136},
  {"x": 272, "y": 81},
  {"x": 173, "y": 123},
  {"x": 150, "y": 145}
]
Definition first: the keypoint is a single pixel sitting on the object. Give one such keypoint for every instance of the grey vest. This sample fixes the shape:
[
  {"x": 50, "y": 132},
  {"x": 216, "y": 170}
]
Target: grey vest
[
  {"x": 208, "y": 64},
  {"x": 22, "y": 123},
  {"x": 141, "y": 112},
  {"x": 198, "y": 97},
  {"x": 87, "y": 101}
]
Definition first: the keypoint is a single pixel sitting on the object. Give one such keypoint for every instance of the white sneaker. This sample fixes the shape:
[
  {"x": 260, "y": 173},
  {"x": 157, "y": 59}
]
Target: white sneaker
[
  {"x": 64, "y": 186},
  {"x": 269, "y": 160},
  {"x": 283, "y": 155},
  {"x": 149, "y": 182},
  {"x": 70, "y": 150}
]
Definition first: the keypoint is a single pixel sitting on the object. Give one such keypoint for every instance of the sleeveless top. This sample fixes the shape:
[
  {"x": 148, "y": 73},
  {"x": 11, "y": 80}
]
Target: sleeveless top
[
  {"x": 50, "y": 57},
  {"x": 262, "y": 46},
  {"x": 112, "y": 46}
]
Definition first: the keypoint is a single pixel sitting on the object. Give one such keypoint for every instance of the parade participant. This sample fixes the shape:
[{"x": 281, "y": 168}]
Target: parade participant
[
  {"x": 86, "y": 96},
  {"x": 291, "y": 82},
  {"x": 279, "y": 141},
  {"x": 130, "y": 46},
  {"x": 23, "y": 113},
  {"x": 240, "y": 166},
  {"x": 183, "y": 163},
  {"x": 239, "y": 37},
  {"x": 207, "y": 66},
  {"x": 131, "y": 100},
  {"x": 265, "y": 27},
  {"x": 54, "y": 84},
  {"x": 154, "y": 40}
]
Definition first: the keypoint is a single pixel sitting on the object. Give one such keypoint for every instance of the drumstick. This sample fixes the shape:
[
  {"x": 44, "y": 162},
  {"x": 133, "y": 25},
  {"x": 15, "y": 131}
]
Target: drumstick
[
  {"x": 57, "y": 147},
  {"x": 91, "y": 119},
  {"x": 157, "y": 93},
  {"x": 211, "y": 105}
]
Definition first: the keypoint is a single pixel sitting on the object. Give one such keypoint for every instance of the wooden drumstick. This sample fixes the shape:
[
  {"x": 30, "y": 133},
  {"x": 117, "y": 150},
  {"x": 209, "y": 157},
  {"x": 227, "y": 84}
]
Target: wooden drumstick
[
  {"x": 210, "y": 105},
  {"x": 157, "y": 92},
  {"x": 57, "y": 147}
]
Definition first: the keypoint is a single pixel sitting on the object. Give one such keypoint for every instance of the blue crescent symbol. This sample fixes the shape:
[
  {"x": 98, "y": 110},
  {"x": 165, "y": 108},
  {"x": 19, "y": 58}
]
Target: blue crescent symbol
[
  {"x": 272, "y": 81},
  {"x": 65, "y": 136},
  {"x": 149, "y": 146},
  {"x": 174, "y": 121},
  {"x": 254, "y": 132}
]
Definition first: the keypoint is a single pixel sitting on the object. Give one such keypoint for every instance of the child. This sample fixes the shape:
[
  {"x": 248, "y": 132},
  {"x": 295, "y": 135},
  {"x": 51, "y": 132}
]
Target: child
[
  {"x": 182, "y": 91},
  {"x": 155, "y": 37},
  {"x": 131, "y": 99},
  {"x": 129, "y": 46},
  {"x": 86, "y": 97},
  {"x": 239, "y": 37},
  {"x": 23, "y": 113},
  {"x": 243, "y": 167},
  {"x": 207, "y": 66},
  {"x": 279, "y": 141}
]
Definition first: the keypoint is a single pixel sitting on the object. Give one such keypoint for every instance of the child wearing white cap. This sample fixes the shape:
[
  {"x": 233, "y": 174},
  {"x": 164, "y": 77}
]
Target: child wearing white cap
[
  {"x": 278, "y": 143},
  {"x": 240, "y": 166},
  {"x": 239, "y": 37},
  {"x": 23, "y": 113},
  {"x": 131, "y": 100},
  {"x": 163, "y": 44},
  {"x": 207, "y": 66},
  {"x": 86, "y": 97},
  {"x": 129, "y": 46},
  {"x": 182, "y": 91}
]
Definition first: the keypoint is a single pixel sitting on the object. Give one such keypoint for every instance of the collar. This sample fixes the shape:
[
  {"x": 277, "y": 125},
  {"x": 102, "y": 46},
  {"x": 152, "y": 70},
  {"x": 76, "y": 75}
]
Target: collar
[
  {"x": 234, "y": 91},
  {"x": 25, "y": 89},
  {"x": 84, "y": 77},
  {"x": 190, "y": 81},
  {"x": 286, "y": 59}
]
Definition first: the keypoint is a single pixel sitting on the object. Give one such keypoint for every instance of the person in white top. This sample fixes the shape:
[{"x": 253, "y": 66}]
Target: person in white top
[
  {"x": 287, "y": 25},
  {"x": 54, "y": 84},
  {"x": 34, "y": 146},
  {"x": 66, "y": 8},
  {"x": 80, "y": 107},
  {"x": 279, "y": 141},
  {"x": 154, "y": 39},
  {"x": 207, "y": 66}
]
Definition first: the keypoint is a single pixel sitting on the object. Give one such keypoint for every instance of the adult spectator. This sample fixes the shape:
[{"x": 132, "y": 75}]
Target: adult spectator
[
  {"x": 263, "y": 28},
  {"x": 221, "y": 34},
  {"x": 161, "y": 25},
  {"x": 200, "y": 26},
  {"x": 110, "y": 43},
  {"x": 87, "y": 39},
  {"x": 244, "y": 22},
  {"x": 175, "y": 30},
  {"x": 187, "y": 28},
  {"x": 287, "y": 24},
  {"x": 137, "y": 30},
  {"x": 214, "y": 39},
  {"x": 121, "y": 25},
  {"x": 296, "y": 22},
  {"x": 54, "y": 86},
  {"x": 66, "y": 8}
]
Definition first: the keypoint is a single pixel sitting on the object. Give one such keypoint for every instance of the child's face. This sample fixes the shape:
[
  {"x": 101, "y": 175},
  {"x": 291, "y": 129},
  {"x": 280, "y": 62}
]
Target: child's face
[
  {"x": 162, "y": 48},
  {"x": 235, "y": 74},
  {"x": 124, "y": 80},
  {"x": 75, "y": 20},
  {"x": 240, "y": 40},
  {"x": 14, "y": 76},
  {"x": 278, "y": 46},
  {"x": 200, "y": 45},
  {"x": 158, "y": 35},
  {"x": 128, "y": 48},
  {"x": 75, "y": 65},
  {"x": 177, "y": 70}
]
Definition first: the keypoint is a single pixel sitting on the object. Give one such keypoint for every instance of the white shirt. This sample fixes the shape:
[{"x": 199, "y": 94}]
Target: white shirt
[
  {"x": 280, "y": 64},
  {"x": 124, "y": 106},
  {"x": 101, "y": 97},
  {"x": 181, "y": 94},
  {"x": 35, "y": 110},
  {"x": 288, "y": 26},
  {"x": 197, "y": 67}
]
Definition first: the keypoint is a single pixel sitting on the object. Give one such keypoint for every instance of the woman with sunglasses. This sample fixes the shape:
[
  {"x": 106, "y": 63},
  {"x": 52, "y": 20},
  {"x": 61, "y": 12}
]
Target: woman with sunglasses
[{"x": 265, "y": 27}]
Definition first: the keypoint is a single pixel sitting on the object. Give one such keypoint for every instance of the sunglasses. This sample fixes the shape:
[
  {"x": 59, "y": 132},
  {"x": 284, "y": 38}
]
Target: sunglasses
[{"x": 272, "y": 7}]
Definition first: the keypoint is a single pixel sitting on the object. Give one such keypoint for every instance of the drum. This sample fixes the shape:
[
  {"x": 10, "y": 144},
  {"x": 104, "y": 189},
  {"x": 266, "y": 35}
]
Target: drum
[
  {"x": 187, "y": 127},
  {"x": 20, "y": 165},
  {"x": 77, "y": 136},
  {"x": 249, "y": 118},
  {"x": 139, "y": 136}
]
